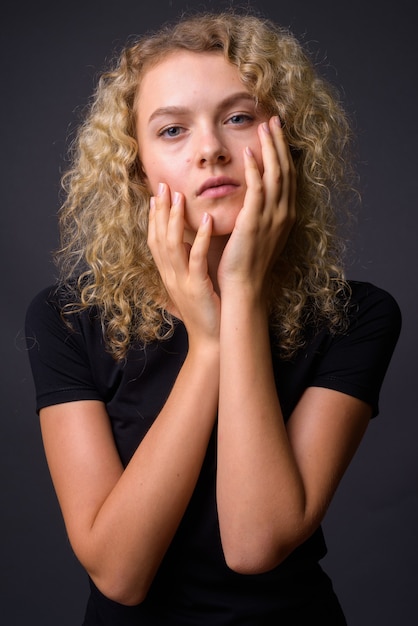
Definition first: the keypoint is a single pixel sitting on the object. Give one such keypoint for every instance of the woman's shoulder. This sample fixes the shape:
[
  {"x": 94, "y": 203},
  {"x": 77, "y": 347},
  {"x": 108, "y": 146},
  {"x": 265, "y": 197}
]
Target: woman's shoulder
[
  {"x": 364, "y": 291},
  {"x": 54, "y": 316},
  {"x": 372, "y": 304},
  {"x": 44, "y": 306},
  {"x": 54, "y": 295},
  {"x": 55, "y": 300},
  {"x": 355, "y": 360}
]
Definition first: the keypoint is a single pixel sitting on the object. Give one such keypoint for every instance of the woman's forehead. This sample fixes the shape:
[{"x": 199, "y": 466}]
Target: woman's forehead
[{"x": 184, "y": 76}]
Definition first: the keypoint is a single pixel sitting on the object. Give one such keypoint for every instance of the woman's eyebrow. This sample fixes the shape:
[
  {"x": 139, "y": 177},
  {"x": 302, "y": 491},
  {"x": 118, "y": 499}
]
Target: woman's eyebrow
[
  {"x": 182, "y": 110},
  {"x": 169, "y": 110},
  {"x": 235, "y": 98}
]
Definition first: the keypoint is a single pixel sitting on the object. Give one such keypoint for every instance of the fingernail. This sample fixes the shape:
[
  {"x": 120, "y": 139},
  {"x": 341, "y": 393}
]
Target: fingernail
[
  {"x": 266, "y": 128},
  {"x": 277, "y": 121},
  {"x": 152, "y": 202},
  {"x": 205, "y": 218},
  {"x": 160, "y": 189},
  {"x": 249, "y": 151},
  {"x": 176, "y": 197}
]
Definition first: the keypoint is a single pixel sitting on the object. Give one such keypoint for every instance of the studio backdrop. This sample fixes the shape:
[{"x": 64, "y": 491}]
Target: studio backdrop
[{"x": 51, "y": 55}]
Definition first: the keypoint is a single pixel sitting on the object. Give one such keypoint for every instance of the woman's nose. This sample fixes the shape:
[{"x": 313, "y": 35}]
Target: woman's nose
[{"x": 211, "y": 149}]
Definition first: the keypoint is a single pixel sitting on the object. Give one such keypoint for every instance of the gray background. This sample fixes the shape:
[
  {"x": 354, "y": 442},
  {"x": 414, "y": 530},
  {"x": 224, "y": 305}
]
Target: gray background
[{"x": 51, "y": 53}]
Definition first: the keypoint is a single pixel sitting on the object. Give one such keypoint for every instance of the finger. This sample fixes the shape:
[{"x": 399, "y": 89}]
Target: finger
[
  {"x": 287, "y": 168},
  {"x": 175, "y": 234},
  {"x": 161, "y": 215},
  {"x": 152, "y": 239},
  {"x": 254, "y": 196},
  {"x": 272, "y": 168},
  {"x": 198, "y": 257},
  {"x": 157, "y": 232}
]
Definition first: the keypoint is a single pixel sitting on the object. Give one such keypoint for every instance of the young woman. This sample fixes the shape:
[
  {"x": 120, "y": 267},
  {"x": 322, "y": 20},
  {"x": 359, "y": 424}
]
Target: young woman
[{"x": 204, "y": 371}]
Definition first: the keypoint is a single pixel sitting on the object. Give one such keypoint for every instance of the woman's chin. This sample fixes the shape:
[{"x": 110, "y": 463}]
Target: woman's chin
[{"x": 222, "y": 226}]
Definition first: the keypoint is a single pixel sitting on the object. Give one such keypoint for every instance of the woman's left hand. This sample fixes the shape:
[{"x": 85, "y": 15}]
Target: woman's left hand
[{"x": 266, "y": 218}]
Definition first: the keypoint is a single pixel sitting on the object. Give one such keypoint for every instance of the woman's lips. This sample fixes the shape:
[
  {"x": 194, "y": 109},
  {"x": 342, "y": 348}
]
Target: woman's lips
[
  {"x": 217, "y": 187},
  {"x": 218, "y": 192}
]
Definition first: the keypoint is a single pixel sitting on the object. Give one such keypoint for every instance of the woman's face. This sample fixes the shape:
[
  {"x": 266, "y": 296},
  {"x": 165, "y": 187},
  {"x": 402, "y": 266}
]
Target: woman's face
[{"x": 194, "y": 119}]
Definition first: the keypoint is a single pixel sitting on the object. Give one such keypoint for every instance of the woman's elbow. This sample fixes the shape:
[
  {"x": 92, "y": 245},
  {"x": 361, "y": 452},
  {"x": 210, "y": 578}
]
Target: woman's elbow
[
  {"x": 119, "y": 581},
  {"x": 245, "y": 557},
  {"x": 257, "y": 555},
  {"x": 118, "y": 590}
]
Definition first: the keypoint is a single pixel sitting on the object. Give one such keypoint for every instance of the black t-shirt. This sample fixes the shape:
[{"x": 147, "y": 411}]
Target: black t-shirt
[{"x": 193, "y": 581}]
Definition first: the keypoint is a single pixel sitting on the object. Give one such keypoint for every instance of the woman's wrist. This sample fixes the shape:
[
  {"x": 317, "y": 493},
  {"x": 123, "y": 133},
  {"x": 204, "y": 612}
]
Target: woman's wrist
[
  {"x": 244, "y": 298},
  {"x": 204, "y": 350}
]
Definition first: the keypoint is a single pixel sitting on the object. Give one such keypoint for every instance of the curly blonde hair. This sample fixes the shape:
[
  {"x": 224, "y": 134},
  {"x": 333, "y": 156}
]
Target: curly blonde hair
[{"x": 104, "y": 255}]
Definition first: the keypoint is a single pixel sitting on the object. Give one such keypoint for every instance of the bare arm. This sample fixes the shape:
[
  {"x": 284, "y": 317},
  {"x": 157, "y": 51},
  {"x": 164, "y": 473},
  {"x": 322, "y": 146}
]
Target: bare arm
[
  {"x": 121, "y": 522},
  {"x": 274, "y": 482}
]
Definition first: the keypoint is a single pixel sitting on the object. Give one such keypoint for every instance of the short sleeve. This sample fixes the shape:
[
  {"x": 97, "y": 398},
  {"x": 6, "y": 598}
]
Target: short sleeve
[
  {"x": 57, "y": 353},
  {"x": 356, "y": 362}
]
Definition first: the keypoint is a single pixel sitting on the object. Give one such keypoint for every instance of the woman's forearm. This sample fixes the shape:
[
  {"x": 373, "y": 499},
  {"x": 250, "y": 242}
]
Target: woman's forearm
[
  {"x": 122, "y": 541},
  {"x": 259, "y": 488},
  {"x": 146, "y": 506}
]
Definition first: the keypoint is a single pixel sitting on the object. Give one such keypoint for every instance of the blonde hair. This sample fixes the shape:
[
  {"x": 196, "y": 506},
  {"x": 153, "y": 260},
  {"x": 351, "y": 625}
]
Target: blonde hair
[{"x": 103, "y": 222}]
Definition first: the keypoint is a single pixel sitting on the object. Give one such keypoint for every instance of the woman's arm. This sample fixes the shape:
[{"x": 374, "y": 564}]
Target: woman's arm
[
  {"x": 274, "y": 482},
  {"x": 121, "y": 522}
]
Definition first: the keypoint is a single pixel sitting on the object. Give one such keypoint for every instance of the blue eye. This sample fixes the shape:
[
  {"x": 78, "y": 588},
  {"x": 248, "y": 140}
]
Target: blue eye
[
  {"x": 171, "y": 131},
  {"x": 240, "y": 118}
]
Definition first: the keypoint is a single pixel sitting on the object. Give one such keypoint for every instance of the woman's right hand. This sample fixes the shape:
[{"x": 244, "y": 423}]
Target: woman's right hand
[{"x": 184, "y": 268}]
